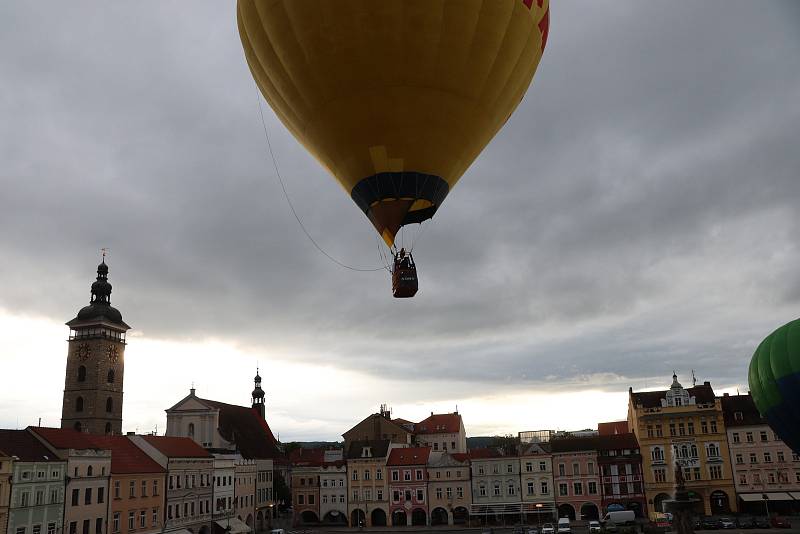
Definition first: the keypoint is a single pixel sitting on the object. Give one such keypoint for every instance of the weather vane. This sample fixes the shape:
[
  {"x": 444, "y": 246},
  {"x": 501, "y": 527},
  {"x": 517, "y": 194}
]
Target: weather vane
[{"x": 104, "y": 250}]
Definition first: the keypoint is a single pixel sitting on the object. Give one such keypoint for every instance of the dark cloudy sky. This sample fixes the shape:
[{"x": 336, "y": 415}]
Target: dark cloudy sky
[{"x": 639, "y": 213}]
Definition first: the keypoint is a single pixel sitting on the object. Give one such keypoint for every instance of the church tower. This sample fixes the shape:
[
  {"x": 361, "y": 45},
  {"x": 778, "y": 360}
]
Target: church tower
[
  {"x": 258, "y": 396},
  {"x": 95, "y": 364}
]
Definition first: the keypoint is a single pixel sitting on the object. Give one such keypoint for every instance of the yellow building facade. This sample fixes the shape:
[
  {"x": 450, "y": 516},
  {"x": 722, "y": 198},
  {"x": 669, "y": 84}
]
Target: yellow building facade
[{"x": 683, "y": 428}]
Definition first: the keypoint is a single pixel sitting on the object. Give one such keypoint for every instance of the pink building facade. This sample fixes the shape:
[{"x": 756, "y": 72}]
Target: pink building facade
[
  {"x": 408, "y": 486},
  {"x": 576, "y": 477}
]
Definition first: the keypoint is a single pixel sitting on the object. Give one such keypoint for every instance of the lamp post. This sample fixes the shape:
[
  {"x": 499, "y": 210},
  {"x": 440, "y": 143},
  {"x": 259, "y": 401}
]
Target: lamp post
[{"x": 539, "y": 514}]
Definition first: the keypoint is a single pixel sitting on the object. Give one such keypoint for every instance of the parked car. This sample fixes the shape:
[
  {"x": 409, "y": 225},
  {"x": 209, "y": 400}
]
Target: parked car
[
  {"x": 563, "y": 525},
  {"x": 518, "y": 529},
  {"x": 726, "y": 522},
  {"x": 780, "y": 522},
  {"x": 762, "y": 522},
  {"x": 594, "y": 526},
  {"x": 548, "y": 528},
  {"x": 533, "y": 530},
  {"x": 709, "y": 523},
  {"x": 745, "y": 521}
]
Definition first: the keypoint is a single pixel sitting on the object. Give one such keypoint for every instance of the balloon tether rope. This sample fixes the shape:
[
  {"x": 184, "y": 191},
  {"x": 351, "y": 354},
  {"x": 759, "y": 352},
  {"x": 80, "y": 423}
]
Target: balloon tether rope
[{"x": 289, "y": 201}]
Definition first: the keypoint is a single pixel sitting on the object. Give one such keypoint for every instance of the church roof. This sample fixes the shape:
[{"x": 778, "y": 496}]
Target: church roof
[
  {"x": 245, "y": 428},
  {"x": 25, "y": 446}
]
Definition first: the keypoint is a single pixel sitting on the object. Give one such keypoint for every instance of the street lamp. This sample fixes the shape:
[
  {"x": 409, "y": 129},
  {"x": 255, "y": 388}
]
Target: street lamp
[{"x": 539, "y": 513}]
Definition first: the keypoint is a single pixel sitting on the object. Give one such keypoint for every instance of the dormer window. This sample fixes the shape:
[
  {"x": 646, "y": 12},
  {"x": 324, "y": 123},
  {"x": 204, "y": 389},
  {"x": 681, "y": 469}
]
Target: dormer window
[
  {"x": 738, "y": 416},
  {"x": 366, "y": 452}
]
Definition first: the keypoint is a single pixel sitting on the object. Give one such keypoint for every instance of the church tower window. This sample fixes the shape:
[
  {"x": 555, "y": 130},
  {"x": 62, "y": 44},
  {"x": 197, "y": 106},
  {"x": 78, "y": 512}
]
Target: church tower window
[
  {"x": 82, "y": 373},
  {"x": 109, "y": 405},
  {"x": 110, "y": 377},
  {"x": 79, "y": 404}
]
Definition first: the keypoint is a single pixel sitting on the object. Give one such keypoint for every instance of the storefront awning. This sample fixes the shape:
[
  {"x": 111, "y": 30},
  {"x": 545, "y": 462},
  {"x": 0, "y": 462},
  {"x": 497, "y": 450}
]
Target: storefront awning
[
  {"x": 237, "y": 526},
  {"x": 781, "y": 496},
  {"x": 795, "y": 494},
  {"x": 749, "y": 497}
]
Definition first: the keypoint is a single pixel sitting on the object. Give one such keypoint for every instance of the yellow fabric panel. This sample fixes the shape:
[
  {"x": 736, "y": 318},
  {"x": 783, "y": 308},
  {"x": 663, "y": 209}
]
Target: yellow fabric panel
[{"x": 371, "y": 86}]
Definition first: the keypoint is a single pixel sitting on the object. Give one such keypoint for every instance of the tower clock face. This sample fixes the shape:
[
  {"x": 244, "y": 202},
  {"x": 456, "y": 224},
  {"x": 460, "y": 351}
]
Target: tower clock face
[
  {"x": 83, "y": 351},
  {"x": 113, "y": 353}
]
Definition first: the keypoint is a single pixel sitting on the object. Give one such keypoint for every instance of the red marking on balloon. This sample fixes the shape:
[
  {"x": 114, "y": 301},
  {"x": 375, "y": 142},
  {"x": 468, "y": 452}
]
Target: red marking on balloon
[
  {"x": 528, "y": 3},
  {"x": 544, "y": 27}
]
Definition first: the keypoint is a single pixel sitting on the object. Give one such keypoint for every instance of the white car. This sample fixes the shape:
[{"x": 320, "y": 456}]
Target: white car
[
  {"x": 563, "y": 526},
  {"x": 594, "y": 526},
  {"x": 548, "y": 528}
]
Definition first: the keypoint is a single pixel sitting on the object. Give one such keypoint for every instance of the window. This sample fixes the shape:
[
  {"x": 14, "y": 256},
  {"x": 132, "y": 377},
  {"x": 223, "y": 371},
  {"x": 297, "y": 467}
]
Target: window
[
  {"x": 379, "y": 494},
  {"x": 713, "y": 450},
  {"x": 395, "y": 496},
  {"x": 562, "y": 490},
  {"x": 73, "y": 527},
  {"x": 739, "y": 459},
  {"x": 577, "y": 488},
  {"x": 690, "y": 427},
  {"x": 591, "y": 468},
  {"x": 542, "y": 466},
  {"x": 530, "y": 488},
  {"x": 449, "y": 493},
  {"x": 497, "y": 490},
  {"x": 715, "y": 471},
  {"x": 408, "y": 495},
  {"x": 650, "y": 431},
  {"x": 703, "y": 427},
  {"x": 592, "y": 488},
  {"x": 511, "y": 488},
  {"x": 736, "y": 437},
  {"x": 82, "y": 374},
  {"x": 155, "y": 488},
  {"x": 366, "y": 474},
  {"x": 781, "y": 457},
  {"x": 98, "y": 525},
  {"x": 435, "y": 446},
  {"x": 545, "y": 488},
  {"x": 697, "y": 473},
  {"x": 660, "y": 475},
  {"x": 509, "y": 468},
  {"x": 109, "y": 405},
  {"x": 37, "y": 529},
  {"x": 495, "y": 469},
  {"x": 481, "y": 470},
  {"x": 155, "y": 517},
  {"x": 79, "y": 404},
  {"x": 672, "y": 429},
  {"x": 768, "y": 457},
  {"x": 143, "y": 518},
  {"x": 53, "y": 496},
  {"x": 131, "y": 520},
  {"x": 482, "y": 488},
  {"x": 657, "y": 454},
  {"x": 713, "y": 426},
  {"x": 355, "y": 475},
  {"x": 301, "y": 499},
  {"x": 771, "y": 478},
  {"x": 749, "y": 437},
  {"x": 438, "y": 493},
  {"x": 659, "y": 432},
  {"x": 681, "y": 429},
  {"x": 143, "y": 491},
  {"x": 419, "y": 474},
  {"x": 420, "y": 496},
  {"x": 39, "y": 498},
  {"x": 367, "y": 495},
  {"x": 763, "y": 435},
  {"x": 131, "y": 489},
  {"x": 20, "y": 530},
  {"x": 562, "y": 470},
  {"x": 378, "y": 474},
  {"x": 576, "y": 469},
  {"x": 101, "y": 495},
  {"x": 75, "y": 496},
  {"x": 528, "y": 467},
  {"x": 753, "y": 458},
  {"x": 406, "y": 475},
  {"x": 743, "y": 478}
]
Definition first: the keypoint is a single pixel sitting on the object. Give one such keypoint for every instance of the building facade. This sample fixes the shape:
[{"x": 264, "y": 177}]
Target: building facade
[
  {"x": 683, "y": 427},
  {"x": 244, "y": 505},
  {"x": 408, "y": 485},
  {"x": 304, "y": 484},
  {"x": 333, "y": 489},
  {"x": 6, "y": 476},
  {"x": 621, "y": 481},
  {"x": 189, "y": 476},
  {"x": 766, "y": 472},
  {"x": 266, "y": 508},
  {"x": 495, "y": 486},
  {"x": 35, "y": 494},
  {"x": 367, "y": 479},
  {"x": 95, "y": 364},
  {"x": 224, "y": 486},
  {"x": 576, "y": 477},
  {"x": 536, "y": 476},
  {"x": 442, "y": 433},
  {"x": 449, "y": 488}
]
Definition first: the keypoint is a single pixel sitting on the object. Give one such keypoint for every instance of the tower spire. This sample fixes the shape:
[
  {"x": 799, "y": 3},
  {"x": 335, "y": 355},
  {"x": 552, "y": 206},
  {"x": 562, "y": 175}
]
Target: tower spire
[{"x": 258, "y": 395}]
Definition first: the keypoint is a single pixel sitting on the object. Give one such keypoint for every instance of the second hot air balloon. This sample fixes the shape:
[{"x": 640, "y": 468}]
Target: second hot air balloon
[{"x": 396, "y": 98}]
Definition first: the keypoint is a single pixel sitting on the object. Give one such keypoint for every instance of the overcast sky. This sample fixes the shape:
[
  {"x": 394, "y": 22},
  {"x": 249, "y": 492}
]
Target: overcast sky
[{"x": 637, "y": 214}]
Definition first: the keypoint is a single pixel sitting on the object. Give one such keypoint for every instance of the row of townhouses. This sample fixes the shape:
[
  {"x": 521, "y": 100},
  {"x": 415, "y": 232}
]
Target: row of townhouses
[{"x": 395, "y": 472}]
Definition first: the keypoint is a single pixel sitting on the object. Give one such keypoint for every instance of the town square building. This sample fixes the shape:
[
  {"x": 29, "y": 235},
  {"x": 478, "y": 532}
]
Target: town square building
[
  {"x": 367, "y": 477},
  {"x": 408, "y": 486},
  {"x": 449, "y": 488}
]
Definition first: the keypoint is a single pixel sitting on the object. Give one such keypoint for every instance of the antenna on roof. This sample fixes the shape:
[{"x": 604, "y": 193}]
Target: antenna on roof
[{"x": 694, "y": 379}]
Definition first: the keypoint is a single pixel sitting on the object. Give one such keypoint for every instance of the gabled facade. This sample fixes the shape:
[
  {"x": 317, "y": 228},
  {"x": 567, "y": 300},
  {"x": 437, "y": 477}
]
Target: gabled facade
[
  {"x": 449, "y": 488},
  {"x": 683, "y": 426},
  {"x": 536, "y": 474},
  {"x": 621, "y": 482},
  {"x": 763, "y": 465},
  {"x": 576, "y": 477},
  {"x": 367, "y": 481},
  {"x": 408, "y": 486},
  {"x": 33, "y": 485},
  {"x": 378, "y": 426}
]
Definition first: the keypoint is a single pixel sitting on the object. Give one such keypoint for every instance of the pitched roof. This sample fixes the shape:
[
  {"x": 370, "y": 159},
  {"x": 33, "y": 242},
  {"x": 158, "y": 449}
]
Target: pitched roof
[
  {"x": 126, "y": 457},
  {"x": 378, "y": 447},
  {"x": 652, "y": 399},
  {"x": 174, "y": 447},
  {"x": 409, "y": 456},
  {"x": 529, "y": 449},
  {"x": 442, "y": 423},
  {"x": 587, "y": 443},
  {"x": 67, "y": 438},
  {"x": 376, "y": 418},
  {"x": 25, "y": 446},
  {"x": 485, "y": 453},
  {"x": 740, "y": 410},
  {"x": 245, "y": 428},
  {"x": 616, "y": 441},
  {"x": 612, "y": 427}
]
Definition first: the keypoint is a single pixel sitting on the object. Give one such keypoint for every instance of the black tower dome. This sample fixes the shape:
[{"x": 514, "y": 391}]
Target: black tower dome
[{"x": 99, "y": 308}]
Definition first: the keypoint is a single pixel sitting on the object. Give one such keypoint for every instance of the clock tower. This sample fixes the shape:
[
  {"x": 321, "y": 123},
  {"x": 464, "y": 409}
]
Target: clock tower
[{"x": 95, "y": 364}]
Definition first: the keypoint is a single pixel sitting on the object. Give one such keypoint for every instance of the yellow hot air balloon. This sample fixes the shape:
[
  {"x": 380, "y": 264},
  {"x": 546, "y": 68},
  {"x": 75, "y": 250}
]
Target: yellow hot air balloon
[{"x": 396, "y": 98}]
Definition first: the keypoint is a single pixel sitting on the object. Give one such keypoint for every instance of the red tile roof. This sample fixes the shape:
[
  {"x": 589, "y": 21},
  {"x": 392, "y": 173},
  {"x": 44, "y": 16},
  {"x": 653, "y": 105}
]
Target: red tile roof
[
  {"x": 303, "y": 457},
  {"x": 25, "y": 446},
  {"x": 460, "y": 456},
  {"x": 484, "y": 453},
  {"x": 245, "y": 428},
  {"x": 173, "y": 447},
  {"x": 127, "y": 458},
  {"x": 587, "y": 443},
  {"x": 67, "y": 438},
  {"x": 443, "y": 423},
  {"x": 626, "y": 440},
  {"x": 740, "y": 410},
  {"x": 613, "y": 427},
  {"x": 409, "y": 456}
]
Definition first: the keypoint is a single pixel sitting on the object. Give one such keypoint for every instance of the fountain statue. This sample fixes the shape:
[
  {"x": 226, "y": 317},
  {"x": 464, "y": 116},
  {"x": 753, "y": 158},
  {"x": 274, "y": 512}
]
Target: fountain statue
[{"x": 681, "y": 505}]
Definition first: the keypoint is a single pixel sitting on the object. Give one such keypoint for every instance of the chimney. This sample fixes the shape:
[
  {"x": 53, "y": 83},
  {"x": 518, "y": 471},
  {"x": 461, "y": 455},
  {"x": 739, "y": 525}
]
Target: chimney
[{"x": 707, "y": 383}]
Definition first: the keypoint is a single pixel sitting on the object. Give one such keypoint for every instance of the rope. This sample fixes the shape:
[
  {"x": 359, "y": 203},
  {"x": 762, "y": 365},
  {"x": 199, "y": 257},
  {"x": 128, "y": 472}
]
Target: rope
[{"x": 289, "y": 201}]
